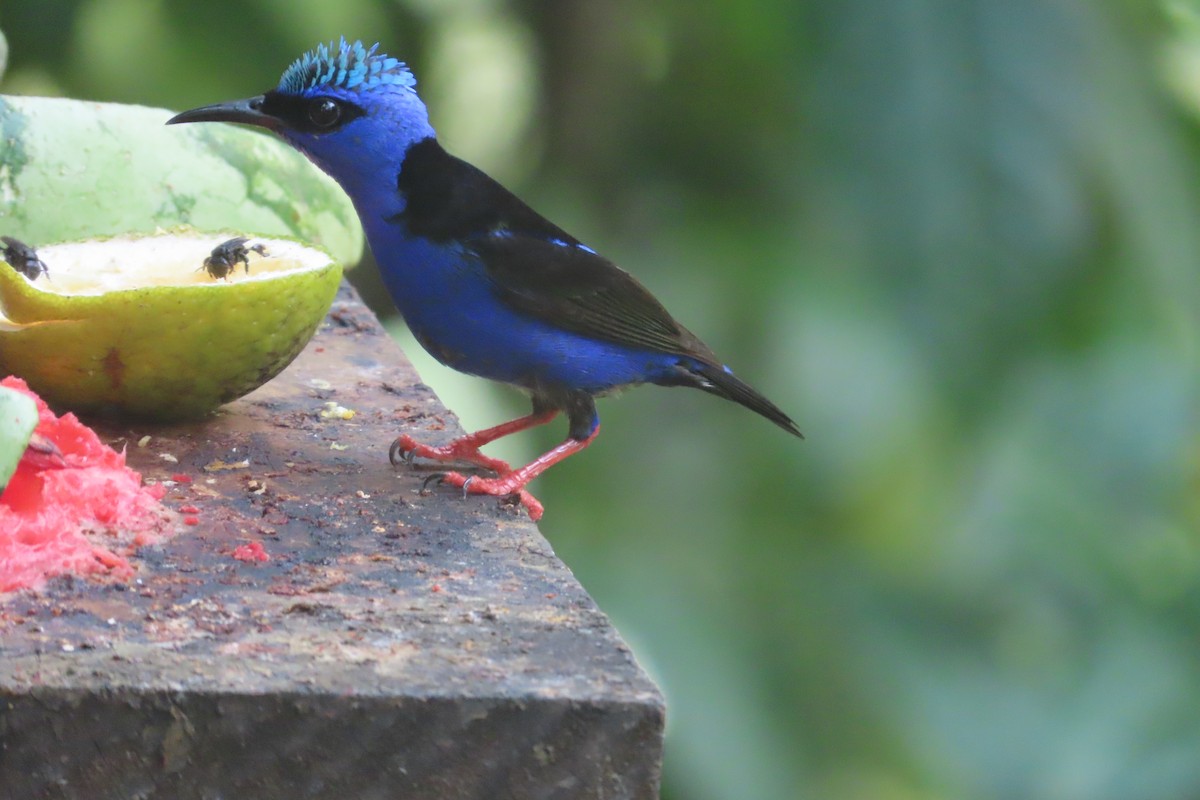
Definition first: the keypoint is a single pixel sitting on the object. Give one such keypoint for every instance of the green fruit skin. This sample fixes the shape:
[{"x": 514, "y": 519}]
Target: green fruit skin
[
  {"x": 150, "y": 366},
  {"x": 18, "y": 420},
  {"x": 73, "y": 170}
]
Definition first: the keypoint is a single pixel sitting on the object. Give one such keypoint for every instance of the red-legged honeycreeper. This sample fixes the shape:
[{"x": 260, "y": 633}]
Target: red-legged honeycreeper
[{"x": 487, "y": 285}]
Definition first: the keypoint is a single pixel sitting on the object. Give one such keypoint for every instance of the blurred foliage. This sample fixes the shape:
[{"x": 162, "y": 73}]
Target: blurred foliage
[{"x": 956, "y": 239}]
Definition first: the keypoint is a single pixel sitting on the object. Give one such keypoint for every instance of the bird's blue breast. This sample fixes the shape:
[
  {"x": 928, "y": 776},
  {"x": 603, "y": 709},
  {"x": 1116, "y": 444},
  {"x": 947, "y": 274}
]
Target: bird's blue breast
[{"x": 450, "y": 304}]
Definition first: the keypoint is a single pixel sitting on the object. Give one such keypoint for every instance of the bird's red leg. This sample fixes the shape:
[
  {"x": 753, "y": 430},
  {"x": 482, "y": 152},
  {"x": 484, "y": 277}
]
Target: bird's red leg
[
  {"x": 466, "y": 448},
  {"x": 513, "y": 481}
]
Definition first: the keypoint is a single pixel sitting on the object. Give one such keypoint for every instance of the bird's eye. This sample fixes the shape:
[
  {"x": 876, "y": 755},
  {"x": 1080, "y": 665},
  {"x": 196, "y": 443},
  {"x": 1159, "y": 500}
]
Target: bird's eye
[{"x": 324, "y": 113}]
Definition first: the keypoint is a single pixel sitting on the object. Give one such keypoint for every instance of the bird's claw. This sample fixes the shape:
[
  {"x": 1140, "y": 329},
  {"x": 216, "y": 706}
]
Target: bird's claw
[
  {"x": 401, "y": 451},
  {"x": 452, "y": 478},
  {"x": 474, "y": 484},
  {"x": 407, "y": 450},
  {"x": 437, "y": 478}
]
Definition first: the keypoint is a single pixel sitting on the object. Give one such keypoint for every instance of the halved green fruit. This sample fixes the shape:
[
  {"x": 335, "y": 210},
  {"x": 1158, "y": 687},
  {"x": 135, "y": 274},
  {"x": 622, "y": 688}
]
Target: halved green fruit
[
  {"x": 136, "y": 324},
  {"x": 73, "y": 169}
]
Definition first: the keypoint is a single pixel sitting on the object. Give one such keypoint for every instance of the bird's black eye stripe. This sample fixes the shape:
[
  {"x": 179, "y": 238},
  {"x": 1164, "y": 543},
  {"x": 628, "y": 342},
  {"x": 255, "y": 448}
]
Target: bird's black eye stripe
[{"x": 310, "y": 114}]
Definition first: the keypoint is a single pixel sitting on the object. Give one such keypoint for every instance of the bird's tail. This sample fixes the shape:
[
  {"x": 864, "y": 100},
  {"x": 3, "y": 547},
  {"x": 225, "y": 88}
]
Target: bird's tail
[{"x": 717, "y": 380}]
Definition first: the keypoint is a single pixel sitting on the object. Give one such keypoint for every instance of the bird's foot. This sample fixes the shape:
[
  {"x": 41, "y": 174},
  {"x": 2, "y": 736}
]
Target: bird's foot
[
  {"x": 406, "y": 449},
  {"x": 507, "y": 485},
  {"x": 509, "y": 482}
]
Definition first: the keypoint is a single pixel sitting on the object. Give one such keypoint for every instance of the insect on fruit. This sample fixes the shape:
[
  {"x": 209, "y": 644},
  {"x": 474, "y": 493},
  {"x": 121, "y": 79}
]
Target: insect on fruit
[
  {"x": 225, "y": 257},
  {"x": 23, "y": 258}
]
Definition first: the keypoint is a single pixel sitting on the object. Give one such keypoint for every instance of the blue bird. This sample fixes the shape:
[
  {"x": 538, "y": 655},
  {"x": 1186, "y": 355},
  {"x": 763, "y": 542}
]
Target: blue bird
[{"x": 486, "y": 284}]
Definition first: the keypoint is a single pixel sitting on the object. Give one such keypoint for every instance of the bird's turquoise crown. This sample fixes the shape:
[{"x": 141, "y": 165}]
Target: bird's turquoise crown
[{"x": 346, "y": 66}]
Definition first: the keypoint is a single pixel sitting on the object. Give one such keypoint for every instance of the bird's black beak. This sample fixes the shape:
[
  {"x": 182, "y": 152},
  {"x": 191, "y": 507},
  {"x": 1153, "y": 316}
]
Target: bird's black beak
[{"x": 248, "y": 112}]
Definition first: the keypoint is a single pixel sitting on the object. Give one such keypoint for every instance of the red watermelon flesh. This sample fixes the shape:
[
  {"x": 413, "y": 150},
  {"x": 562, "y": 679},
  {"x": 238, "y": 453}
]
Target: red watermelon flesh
[{"x": 83, "y": 515}]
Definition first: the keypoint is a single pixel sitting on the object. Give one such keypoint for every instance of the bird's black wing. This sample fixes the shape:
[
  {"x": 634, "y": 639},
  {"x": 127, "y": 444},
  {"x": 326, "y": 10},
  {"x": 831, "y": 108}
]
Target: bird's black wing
[
  {"x": 536, "y": 267},
  {"x": 580, "y": 291}
]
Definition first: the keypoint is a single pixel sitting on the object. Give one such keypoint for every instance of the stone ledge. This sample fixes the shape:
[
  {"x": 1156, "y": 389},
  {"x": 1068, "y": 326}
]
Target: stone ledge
[{"x": 394, "y": 645}]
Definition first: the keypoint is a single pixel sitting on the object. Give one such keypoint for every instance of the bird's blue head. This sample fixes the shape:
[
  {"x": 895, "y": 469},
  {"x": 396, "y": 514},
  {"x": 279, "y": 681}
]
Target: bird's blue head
[{"x": 351, "y": 109}]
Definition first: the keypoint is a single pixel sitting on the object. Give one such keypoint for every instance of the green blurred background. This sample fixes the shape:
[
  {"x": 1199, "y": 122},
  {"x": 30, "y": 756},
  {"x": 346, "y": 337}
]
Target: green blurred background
[{"x": 955, "y": 239}]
